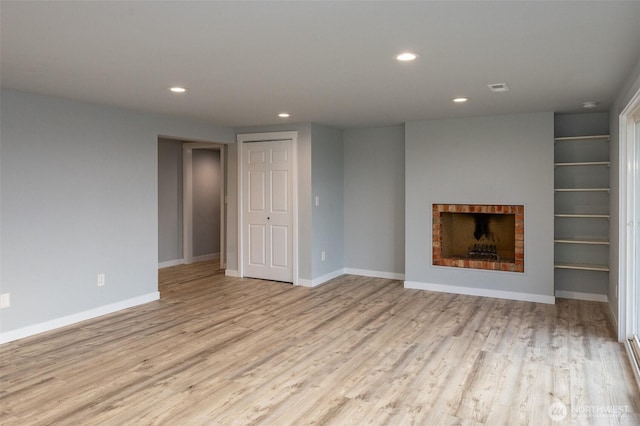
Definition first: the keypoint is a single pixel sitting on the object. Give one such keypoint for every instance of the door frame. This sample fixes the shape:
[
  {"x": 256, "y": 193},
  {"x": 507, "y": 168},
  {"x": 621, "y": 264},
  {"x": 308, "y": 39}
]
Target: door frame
[
  {"x": 629, "y": 220},
  {"x": 627, "y": 181},
  {"x": 267, "y": 137},
  {"x": 187, "y": 199}
]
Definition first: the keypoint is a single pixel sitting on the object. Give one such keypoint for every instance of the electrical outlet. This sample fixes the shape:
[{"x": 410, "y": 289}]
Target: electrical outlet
[
  {"x": 5, "y": 300},
  {"x": 317, "y": 200},
  {"x": 323, "y": 255},
  {"x": 101, "y": 280}
]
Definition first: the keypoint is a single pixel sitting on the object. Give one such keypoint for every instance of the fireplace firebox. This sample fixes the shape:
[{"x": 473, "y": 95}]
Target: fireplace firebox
[{"x": 479, "y": 236}]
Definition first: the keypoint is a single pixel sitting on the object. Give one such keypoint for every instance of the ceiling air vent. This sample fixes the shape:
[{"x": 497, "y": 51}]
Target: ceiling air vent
[{"x": 498, "y": 87}]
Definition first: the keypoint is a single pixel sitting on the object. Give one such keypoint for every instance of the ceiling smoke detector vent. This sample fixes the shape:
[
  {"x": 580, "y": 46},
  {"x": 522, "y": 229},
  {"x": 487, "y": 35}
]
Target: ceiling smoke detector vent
[{"x": 498, "y": 87}]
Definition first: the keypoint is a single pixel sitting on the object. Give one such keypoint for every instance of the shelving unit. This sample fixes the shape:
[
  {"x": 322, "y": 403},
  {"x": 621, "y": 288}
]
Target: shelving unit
[
  {"x": 577, "y": 216},
  {"x": 582, "y": 267},
  {"x": 581, "y": 214},
  {"x": 582, "y": 189},
  {"x": 570, "y": 241}
]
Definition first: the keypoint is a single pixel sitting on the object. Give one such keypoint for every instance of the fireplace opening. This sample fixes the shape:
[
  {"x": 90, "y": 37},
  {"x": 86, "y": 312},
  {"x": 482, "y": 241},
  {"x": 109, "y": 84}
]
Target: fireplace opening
[{"x": 479, "y": 236}]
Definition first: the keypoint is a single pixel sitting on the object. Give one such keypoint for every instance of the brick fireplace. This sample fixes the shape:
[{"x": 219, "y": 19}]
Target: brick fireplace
[{"x": 479, "y": 236}]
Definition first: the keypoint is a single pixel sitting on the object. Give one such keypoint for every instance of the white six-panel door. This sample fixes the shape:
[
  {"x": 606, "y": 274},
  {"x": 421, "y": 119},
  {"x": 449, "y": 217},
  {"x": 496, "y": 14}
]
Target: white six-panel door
[{"x": 268, "y": 210}]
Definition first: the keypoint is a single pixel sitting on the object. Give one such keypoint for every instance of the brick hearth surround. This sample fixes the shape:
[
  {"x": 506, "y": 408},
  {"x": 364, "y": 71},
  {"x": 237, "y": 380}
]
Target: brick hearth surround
[{"x": 518, "y": 210}]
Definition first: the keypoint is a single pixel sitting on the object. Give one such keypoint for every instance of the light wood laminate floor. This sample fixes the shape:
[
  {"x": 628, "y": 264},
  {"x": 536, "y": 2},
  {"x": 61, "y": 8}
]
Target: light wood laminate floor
[{"x": 355, "y": 351}]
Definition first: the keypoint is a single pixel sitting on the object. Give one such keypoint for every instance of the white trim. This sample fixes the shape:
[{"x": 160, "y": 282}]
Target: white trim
[
  {"x": 265, "y": 137},
  {"x": 632, "y": 361},
  {"x": 187, "y": 204},
  {"x": 170, "y": 263},
  {"x": 205, "y": 257},
  {"x": 320, "y": 280},
  {"x": 483, "y": 292},
  {"x": 626, "y": 204},
  {"x": 374, "y": 274},
  {"x": 31, "y": 330},
  {"x": 612, "y": 317},
  {"x": 187, "y": 199},
  {"x": 576, "y": 295},
  {"x": 232, "y": 273}
]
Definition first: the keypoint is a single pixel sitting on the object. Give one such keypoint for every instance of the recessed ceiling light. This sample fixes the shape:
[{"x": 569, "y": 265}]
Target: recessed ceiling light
[
  {"x": 460, "y": 100},
  {"x": 178, "y": 89},
  {"x": 284, "y": 115},
  {"x": 407, "y": 56},
  {"x": 589, "y": 104}
]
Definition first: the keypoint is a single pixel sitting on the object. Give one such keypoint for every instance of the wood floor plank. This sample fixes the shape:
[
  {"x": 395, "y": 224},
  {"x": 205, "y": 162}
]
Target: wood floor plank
[{"x": 357, "y": 350}]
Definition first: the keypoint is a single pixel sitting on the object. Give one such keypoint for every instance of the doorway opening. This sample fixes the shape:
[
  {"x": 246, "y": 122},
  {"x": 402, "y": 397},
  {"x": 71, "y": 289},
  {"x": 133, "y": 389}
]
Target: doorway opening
[{"x": 191, "y": 202}]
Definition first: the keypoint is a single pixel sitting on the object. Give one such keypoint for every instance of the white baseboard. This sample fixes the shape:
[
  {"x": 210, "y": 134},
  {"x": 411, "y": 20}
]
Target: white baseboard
[
  {"x": 374, "y": 274},
  {"x": 498, "y": 294},
  {"x": 331, "y": 275},
  {"x": 576, "y": 295},
  {"x": 303, "y": 282},
  {"x": 614, "y": 321},
  {"x": 170, "y": 263},
  {"x": 320, "y": 280},
  {"x": 175, "y": 262},
  {"x": 206, "y": 257},
  {"x": 31, "y": 330},
  {"x": 231, "y": 273}
]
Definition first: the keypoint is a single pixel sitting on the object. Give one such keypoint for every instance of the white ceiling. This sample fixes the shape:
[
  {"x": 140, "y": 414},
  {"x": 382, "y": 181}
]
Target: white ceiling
[{"x": 324, "y": 62}]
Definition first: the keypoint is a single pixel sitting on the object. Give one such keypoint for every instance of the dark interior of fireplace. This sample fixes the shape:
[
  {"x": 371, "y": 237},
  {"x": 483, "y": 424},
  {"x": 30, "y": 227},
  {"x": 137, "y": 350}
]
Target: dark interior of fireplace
[{"x": 478, "y": 236}]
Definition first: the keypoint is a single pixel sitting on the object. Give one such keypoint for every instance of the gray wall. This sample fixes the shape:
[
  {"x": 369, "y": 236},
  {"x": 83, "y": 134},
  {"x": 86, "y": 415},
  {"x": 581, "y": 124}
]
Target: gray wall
[
  {"x": 374, "y": 172},
  {"x": 79, "y": 198},
  {"x": 629, "y": 88},
  {"x": 484, "y": 160},
  {"x": 169, "y": 200},
  {"x": 327, "y": 183},
  {"x": 583, "y": 124},
  {"x": 206, "y": 201}
]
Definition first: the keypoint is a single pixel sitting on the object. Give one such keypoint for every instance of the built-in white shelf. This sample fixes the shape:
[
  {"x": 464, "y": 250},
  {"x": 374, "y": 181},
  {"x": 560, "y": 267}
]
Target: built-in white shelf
[
  {"x": 578, "y": 215},
  {"x": 582, "y": 267},
  {"x": 581, "y": 189},
  {"x": 582, "y": 138},
  {"x": 580, "y": 241},
  {"x": 583, "y": 163}
]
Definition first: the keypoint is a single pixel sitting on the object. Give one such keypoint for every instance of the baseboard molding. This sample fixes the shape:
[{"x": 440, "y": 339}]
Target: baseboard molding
[
  {"x": 170, "y": 263},
  {"x": 205, "y": 257},
  {"x": 576, "y": 295},
  {"x": 374, "y": 274},
  {"x": 20, "y": 333},
  {"x": 320, "y": 280},
  {"x": 303, "y": 282},
  {"x": 202, "y": 258},
  {"x": 614, "y": 321},
  {"x": 483, "y": 292}
]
